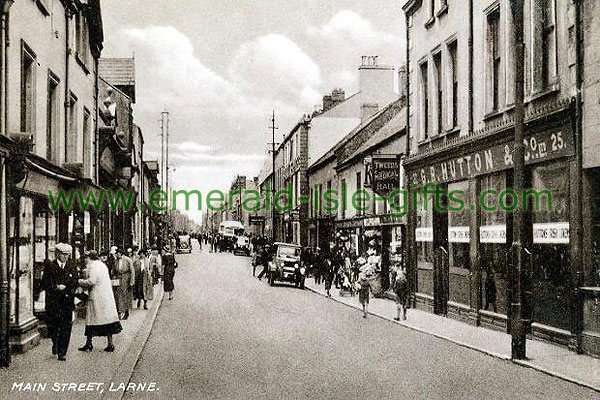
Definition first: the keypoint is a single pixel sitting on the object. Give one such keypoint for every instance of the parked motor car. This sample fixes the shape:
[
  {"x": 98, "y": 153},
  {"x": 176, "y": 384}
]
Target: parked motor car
[
  {"x": 286, "y": 265},
  {"x": 242, "y": 246},
  {"x": 184, "y": 244}
]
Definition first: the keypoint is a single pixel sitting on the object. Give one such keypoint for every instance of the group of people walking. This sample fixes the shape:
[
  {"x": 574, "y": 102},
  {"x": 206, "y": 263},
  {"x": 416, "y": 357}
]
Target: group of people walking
[
  {"x": 109, "y": 284},
  {"x": 340, "y": 268}
]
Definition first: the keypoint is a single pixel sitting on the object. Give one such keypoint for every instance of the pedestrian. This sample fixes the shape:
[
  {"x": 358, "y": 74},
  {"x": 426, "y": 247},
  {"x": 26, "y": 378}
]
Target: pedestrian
[
  {"x": 169, "y": 265},
  {"x": 264, "y": 261},
  {"x": 364, "y": 287},
  {"x": 490, "y": 290},
  {"x": 125, "y": 274},
  {"x": 155, "y": 265},
  {"x": 318, "y": 265},
  {"x": 143, "y": 289},
  {"x": 60, "y": 282},
  {"x": 328, "y": 272},
  {"x": 401, "y": 291},
  {"x": 101, "y": 318}
]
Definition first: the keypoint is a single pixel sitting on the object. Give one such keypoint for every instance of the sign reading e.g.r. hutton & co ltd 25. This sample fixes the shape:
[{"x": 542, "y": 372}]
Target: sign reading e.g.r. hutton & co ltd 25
[{"x": 542, "y": 146}]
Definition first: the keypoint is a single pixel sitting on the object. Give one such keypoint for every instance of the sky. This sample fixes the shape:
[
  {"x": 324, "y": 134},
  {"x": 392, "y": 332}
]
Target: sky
[{"x": 220, "y": 67}]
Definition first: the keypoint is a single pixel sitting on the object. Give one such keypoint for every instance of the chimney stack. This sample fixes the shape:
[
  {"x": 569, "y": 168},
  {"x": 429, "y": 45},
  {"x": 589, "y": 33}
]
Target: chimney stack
[{"x": 337, "y": 96}]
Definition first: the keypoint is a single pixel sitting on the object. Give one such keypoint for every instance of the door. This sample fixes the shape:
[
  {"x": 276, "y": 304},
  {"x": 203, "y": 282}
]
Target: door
[{"x": 441, "y": 268}]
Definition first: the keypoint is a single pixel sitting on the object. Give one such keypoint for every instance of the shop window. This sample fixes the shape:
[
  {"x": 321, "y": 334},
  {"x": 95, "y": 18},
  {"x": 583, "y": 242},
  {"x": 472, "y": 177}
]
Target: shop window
[
  {"x": 459, "y": 260},
  {"x": 424, "y": 242},
  {"x": 21, "y": 261},
  {"x": 551, "y": 264},
  {"x": 494, "y": 247}
]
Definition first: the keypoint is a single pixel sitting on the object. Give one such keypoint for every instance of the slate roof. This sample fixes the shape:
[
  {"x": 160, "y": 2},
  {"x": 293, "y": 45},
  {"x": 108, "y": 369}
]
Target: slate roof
[{"x": 117, "y": 71}]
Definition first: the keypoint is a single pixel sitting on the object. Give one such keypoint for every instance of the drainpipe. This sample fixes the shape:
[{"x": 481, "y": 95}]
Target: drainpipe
[
  {"x": 411, "y": 222},
  {"x": 470, "y": 44},
  {"x": 68, "y": 16},
  {"x": 578, "y": 316},
  {"x": 4, "y": 274}
]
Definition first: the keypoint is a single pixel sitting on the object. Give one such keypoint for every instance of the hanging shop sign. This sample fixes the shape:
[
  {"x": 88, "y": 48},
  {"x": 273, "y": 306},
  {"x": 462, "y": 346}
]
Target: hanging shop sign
[
  {"x": 86, "y": 223},
  {"x": 551, "y": 233},
  {"x": 424, "y": 234},
  {"x": 256, "y": 219},
  {"x": 372, "y": 222},
  {"x": 385, "y": 175},
  {"x": 458, "y": 234},
  {"x": 542, "y": 146},
  {"x": 492, "y": 234}
]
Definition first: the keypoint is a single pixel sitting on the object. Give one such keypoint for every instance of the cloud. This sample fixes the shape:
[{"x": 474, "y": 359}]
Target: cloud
[
  {"x": 217, "y": 158},
  {"x": 171, "y": 73},
  {"x": 350, "y": 27},
  {"x": 273, "y": 67},
  {"x": 192, "y": 147}
]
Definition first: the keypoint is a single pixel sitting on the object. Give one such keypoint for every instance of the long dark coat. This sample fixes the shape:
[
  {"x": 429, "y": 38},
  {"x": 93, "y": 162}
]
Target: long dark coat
[
  {"x": 169, "y": 265},
  {"x": 60, "y": 303}
]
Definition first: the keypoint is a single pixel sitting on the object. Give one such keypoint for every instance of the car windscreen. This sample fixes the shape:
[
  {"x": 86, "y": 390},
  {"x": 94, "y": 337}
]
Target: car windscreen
[{"x": 289, "y": 251}]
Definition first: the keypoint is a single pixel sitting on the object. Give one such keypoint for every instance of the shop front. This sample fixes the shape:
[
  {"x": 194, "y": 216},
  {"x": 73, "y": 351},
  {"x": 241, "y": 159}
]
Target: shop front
[
  {"x": 34, "y": 228},
  {"x": 463, "y": 235}
]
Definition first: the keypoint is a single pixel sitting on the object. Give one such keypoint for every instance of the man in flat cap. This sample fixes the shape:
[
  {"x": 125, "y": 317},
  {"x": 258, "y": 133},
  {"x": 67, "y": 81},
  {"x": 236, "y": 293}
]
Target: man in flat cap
[{"x": 59, "y": 282}]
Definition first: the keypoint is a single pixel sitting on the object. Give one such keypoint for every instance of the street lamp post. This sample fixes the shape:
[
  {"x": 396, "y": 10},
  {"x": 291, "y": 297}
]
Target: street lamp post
[{"x": 518, "y": 318}]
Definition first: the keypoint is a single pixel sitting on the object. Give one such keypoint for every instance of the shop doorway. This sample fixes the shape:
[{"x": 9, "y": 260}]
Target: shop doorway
[{"x": 441, "y": 266}]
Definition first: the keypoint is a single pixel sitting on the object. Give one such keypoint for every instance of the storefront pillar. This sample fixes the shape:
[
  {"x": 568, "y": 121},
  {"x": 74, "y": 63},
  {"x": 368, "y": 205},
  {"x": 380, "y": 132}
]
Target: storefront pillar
[
  {"x": 4, "y": 276},
  {"x": 474, "y": 250},
  {"x": 576, "y": 239},
  {"x": 411, "y": 244}
]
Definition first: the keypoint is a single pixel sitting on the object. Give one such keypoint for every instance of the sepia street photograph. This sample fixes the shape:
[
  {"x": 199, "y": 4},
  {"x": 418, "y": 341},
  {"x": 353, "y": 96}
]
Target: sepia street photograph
[{"x": 299, "y": 199}]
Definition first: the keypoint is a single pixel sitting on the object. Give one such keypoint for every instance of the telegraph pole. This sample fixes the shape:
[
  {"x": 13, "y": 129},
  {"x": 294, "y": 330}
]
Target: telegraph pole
[
  {"x": 273, "y": 128},
  {"x": 164, "y": 153},
  {"x": 518, "y": 317}
]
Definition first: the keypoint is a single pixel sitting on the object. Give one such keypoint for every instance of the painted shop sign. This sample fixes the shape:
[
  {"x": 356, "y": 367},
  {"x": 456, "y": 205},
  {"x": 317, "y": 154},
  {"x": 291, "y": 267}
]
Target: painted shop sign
[
  {"x": 458, "y": 234},
  {"x": 492, "y": 234},
  {"x": 551, "y": 233},
  {"x": 368, "y": 222},
  {"x": 539, "y": 147},
  {"x": 385, "y": 175},
  {"x": 424, "y": 234}
]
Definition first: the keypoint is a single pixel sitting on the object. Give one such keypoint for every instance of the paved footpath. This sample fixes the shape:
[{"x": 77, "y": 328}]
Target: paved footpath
[
  {"x": 551, "y": 359},
  {"x": 38, "y": 366}
]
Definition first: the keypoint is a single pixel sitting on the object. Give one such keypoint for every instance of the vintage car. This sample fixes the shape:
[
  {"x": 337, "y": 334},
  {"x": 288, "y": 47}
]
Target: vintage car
[
  {"x": 286, "y": 265},
  {"x": 184, "y": 244},
  {"x": 242, "y": 246}
]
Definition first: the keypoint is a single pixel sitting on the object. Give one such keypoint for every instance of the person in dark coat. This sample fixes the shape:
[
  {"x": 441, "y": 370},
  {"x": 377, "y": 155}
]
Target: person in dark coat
[
  {"x": 490, "y": 291},
  {"x": 169, "y": 265},
  {"x": 60, "y": 282},
  {"x": 328, "y": 273}
]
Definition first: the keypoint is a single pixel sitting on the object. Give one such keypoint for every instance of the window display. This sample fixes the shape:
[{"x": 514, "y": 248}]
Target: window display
[
  {"x": 551, "y": 264},
  {"x": 494, "y": 248}
]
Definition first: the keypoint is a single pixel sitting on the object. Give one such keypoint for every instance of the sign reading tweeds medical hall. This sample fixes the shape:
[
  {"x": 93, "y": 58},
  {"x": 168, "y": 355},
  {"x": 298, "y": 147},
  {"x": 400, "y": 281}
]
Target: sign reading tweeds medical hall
[
  {"x": 385, "y": 176},
  {"x": 542, "y": 146}
]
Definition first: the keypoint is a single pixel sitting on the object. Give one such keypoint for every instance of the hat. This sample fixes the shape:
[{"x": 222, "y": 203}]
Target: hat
[
  {"x": 63, "y": 248},
  {"x": 114, "y": 249}
]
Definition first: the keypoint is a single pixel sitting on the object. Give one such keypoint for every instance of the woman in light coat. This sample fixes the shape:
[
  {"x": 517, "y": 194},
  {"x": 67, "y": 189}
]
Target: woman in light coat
[
  {"x": 102, "y": 318},
  {"x": 143, "y": 289}
]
